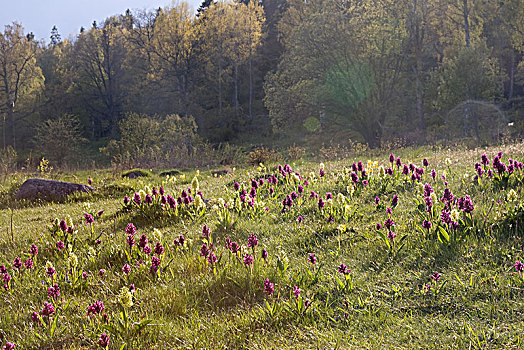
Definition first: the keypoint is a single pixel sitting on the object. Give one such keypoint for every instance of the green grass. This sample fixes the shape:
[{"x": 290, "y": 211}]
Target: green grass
[{"x": 477, "y": 303}]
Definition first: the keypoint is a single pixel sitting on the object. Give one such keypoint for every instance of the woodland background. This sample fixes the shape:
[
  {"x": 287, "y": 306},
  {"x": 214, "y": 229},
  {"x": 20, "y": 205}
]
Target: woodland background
[{"x": 176, "y": 88}]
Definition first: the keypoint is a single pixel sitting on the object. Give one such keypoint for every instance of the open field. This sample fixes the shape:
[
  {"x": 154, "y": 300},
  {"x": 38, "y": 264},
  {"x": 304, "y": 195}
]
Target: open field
[{"x": 309, "y": 256}]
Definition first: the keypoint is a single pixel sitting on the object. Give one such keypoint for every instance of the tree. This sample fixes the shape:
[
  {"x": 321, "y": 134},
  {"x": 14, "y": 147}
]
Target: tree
[
  {"x": 20, "y": 76},
  {"x": 59, "y": 139},
  {"x": 97, "y": 61}
]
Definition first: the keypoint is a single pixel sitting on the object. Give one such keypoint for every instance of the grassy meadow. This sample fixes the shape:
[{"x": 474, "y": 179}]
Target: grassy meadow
[{"x": 382, "y": 254}]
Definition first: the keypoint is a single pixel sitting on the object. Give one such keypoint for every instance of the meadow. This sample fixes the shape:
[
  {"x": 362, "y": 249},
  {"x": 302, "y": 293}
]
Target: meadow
[{"x": 420, "y": 248}]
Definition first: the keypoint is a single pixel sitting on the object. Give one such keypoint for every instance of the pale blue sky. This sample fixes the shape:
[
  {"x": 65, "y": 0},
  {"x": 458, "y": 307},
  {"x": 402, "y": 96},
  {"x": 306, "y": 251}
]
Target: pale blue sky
[{"x": 39, "y": 16}]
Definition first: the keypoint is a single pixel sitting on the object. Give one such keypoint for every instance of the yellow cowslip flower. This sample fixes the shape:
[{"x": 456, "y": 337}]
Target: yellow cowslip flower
[
  {"x": 182, "y": 177},
  {"x": 147, "y": 189},
  {"x": 198, "y": 202},
  {"x": 454, "y": 215},
  {"x": 156, "y": 235},
  {"x": 433, "y": 196},
  {"x": 448, "y": 161},
  {"x": 125, "y": 297},
  {"x": 321, "y": 165},
  {"x": 72, "y": 260},
  {"x": 341, "y": 228},
  {"x": 512, "y": 195},
  {"x": 341, "y": 199},
  {"x": 194, "y": 184}
]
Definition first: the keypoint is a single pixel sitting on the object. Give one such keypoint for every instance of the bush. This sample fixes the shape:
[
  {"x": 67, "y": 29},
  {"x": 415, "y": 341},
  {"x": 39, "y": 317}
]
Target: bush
[
  {"x": 134, "y": 173},
  {"x": 295, "y": 152},
  {"x": 60, "y": 139},
  {"x": 263, "y": 155}
]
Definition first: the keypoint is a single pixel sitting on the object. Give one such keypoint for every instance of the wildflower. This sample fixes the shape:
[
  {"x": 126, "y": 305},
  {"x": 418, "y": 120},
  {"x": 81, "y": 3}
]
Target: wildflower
[
  {"x": 389, "y": 211},
  {"x": 300, "y": 219},
  {"x": 426, "y": 224},
  {"x": 248, "y": 259},
  {"x": 98, "y": 241},
  {"x": 211, "y": 258},
  {"x": 204, "y": 250},
  {"x": 28, "y": 263},
  {"x": 466, "y": 204},
  {"x": 485, "y": 159},
  {"x": 321, "y": 203},
  {"x": 102, "y": 272},
  {"x": 132, "y": 288},
  {"x": 252, "y": 241},
  {"x": 130, "y": 241},
  {"x": 343, "y": 269},
  {"x": 60, "y": 245},
  {"x": 379, "y": 226},
  {"x": 6, "y": 277},
  {"x": 296, "y": 291},
  {"x": 84, "y": 275},
  {"x": 519, "y": 266},
  {"x": 89, "y": 218},
  {"x": 147, "y": 250},
  {"x": 72, "y": 260},
  {"x": 33, "y": 250},
  {"x": 354, "y": 177},
  {"x": 159, "y": 248},
  {"x": 391, "y": 235},
  {"x": 205, "y": 231},
  {"x": 448, "y": 161},
  {"x": 312, "y": 259},
  {"x": 125, "y": 297},
  {"x": 264, "y": 254},
  {"x": 126, "y": 269},
  {"x": 96, "y": 308},
  {"x": 389, "y": 223},
  {"x": 130, "y": 229},
  {"x": 50, "y": 271},
  {"x": 155, "y": 262},
  {"x": 181, "y": 240},
  {"x": 235, "y": 248},
  {"x": 405, "y": 170},
  {"x": 425, "y": 162},
  {"x": 53, "y": 292},
  {"x": 48, "y": 309},
  {"x": 269, "y": 287},
  {"x": 435, "y": 276},
  {"x": 391, "y": 158},
  {"x": 143, "y": 241},
  {"x": 35, "y": 317},
  {"x": 377, "y": 200},
  {"x": 512, "y": 195},
  {"x": 17, "y": 263},
  {"x": 322, "y": 173},
  {"x": 3, "y": 269},
  {"x": 104, "y": 340},
  {"x": 63, "y": 225},
  {"x": 398, "y": 163},
  {"x": 454, "y": 215},
  {"x": 9, "y": 346},
  {"x": 428, "y": 190},
  {"x": 300, "y": 189}
]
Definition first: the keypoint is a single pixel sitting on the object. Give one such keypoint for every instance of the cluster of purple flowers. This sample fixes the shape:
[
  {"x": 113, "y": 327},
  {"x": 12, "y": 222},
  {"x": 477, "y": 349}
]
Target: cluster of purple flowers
[
  {"x": 252, "y": 241},
  {"x": 233, "y": 247},
  {"x": 343, "y": 269},
  {"x": 155, "y": 264},
  {"x": 179, "y": 242},
  {"x": 269, "y": 287},
  {"x": 96, "y": 308},
  {"x": 48, "y": 309},
  {"x": 53, "y": 292},
  {"x": 104, "y": 340}
]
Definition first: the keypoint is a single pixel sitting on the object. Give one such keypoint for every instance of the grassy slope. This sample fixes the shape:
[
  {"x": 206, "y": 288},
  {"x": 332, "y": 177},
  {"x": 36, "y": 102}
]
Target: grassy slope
[{"x": 192, "y": 308}]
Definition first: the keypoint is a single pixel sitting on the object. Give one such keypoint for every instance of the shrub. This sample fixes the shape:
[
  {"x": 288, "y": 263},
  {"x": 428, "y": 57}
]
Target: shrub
[
  {"x": 262, "y": 155},
  {"x": 295, "y": 152}
]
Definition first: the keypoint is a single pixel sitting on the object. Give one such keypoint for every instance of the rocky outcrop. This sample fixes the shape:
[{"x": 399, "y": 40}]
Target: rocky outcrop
[{"x": 33, "y": 189}]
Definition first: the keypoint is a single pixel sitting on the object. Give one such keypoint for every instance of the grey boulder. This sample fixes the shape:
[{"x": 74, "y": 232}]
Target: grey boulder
[{"x": 33, "y": 189}]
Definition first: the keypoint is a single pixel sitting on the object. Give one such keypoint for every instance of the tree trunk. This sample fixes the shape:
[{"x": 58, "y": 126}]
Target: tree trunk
[
  {"x": 236, "y": 89},
  {"x": 250, "y": 88},
  {"x": 11, "y": 115},
  {"x": 511, "y": 76},
  {"x": 465, "y": 12},
  {"x": 419, "y": 95}
]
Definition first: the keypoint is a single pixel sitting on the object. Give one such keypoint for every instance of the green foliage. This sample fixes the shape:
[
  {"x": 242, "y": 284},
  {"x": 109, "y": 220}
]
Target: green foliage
[
  {"x": 60, "y": 140},
  {"x": 259, "y": 277}
]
